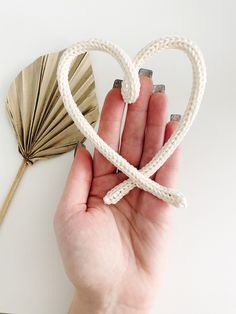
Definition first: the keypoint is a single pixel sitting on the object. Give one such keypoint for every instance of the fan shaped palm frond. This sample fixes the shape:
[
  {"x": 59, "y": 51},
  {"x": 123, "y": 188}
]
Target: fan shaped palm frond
[{"x": 42, "y": 127}]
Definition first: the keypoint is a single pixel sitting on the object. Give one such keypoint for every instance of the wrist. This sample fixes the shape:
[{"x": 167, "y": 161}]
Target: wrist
[
  {"x": 124, "y": 309},
  {"x": 86, "y": 304},
  {"x": 82, "y": 305}
]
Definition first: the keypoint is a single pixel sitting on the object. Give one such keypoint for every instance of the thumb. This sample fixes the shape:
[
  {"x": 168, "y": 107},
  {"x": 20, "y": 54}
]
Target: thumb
[{"x": 78, "y": 183}]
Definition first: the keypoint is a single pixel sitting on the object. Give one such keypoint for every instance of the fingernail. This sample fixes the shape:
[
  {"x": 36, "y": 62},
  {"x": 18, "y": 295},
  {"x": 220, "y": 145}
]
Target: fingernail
[
  {"x": 175, "y": 117},
  {"x": 117, "y": 83},
  {"x": 79, "y": 144},
  {"x": 159, "y": 88},
  {"x": 145, "y": 72}
]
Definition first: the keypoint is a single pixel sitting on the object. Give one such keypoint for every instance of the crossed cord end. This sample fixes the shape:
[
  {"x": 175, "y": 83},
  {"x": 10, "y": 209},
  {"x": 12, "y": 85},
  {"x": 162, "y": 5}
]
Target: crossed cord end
[{"x": 175, "y": 198}]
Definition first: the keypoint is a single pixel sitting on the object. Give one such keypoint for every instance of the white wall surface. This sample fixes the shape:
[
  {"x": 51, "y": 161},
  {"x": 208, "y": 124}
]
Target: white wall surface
[{"x": 201, "y": 272}]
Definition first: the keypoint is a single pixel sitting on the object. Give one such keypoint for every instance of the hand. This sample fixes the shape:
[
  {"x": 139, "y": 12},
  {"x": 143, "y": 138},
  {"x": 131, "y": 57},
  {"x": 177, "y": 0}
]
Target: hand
[{"x": 112, "y": 254}]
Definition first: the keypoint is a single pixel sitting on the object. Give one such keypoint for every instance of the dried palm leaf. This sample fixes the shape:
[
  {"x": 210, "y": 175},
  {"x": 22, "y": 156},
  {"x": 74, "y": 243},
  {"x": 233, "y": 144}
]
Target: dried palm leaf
[{"x": 42, "y": 126}]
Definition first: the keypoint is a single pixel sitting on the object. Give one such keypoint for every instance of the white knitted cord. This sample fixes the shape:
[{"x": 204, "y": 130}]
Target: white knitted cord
[{"x": 130, "y": 92}]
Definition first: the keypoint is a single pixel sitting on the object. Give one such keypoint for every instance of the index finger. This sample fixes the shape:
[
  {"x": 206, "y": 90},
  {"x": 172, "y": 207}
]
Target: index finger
[{"x": 109, "y": 128}]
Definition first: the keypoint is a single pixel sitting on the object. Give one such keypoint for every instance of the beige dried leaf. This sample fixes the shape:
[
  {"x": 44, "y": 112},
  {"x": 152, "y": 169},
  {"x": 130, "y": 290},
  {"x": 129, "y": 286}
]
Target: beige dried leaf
[
  {"x": 42, "y": 126},
  {"x": 41, "y": 123}
]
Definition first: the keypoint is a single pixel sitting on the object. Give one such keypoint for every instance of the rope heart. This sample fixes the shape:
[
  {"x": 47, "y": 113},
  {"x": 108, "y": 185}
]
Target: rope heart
[{"x": 130, "y": 92}]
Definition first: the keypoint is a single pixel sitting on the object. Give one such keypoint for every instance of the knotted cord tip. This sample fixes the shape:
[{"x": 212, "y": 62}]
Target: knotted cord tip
[
  {"x": 182, "y": 203},
  {"x": 107, "y": 200},
  {"x": 130, "y": 90}
]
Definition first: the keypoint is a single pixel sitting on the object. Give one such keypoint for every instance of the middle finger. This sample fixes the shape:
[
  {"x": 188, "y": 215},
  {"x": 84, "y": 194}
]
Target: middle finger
[{"x": 135, "y": 122}]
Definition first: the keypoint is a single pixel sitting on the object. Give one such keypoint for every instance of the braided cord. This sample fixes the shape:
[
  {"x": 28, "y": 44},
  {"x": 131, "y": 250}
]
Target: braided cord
[{"x": 130, "y": 92}]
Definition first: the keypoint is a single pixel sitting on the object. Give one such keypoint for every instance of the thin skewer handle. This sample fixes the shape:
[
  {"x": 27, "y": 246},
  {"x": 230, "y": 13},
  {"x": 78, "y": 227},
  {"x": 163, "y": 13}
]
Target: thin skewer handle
[{"x": 7, "y": 201}]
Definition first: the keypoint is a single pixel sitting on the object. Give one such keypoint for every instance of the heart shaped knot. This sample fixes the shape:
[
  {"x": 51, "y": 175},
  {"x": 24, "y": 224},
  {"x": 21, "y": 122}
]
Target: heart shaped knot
[{"x": 130, "y": 92}]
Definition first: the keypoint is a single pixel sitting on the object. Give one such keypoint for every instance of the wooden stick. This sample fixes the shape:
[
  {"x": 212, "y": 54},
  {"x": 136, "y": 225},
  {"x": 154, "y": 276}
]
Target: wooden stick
[{"x": 12, "y": 190}]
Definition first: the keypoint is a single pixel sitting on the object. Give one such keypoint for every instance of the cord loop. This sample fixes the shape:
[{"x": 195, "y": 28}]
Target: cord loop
[{"x": 130, "y": 92}]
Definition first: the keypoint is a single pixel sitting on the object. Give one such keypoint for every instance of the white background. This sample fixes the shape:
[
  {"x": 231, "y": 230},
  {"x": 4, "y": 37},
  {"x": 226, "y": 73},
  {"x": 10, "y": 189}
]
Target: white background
[{"x": 201, "y": 272}]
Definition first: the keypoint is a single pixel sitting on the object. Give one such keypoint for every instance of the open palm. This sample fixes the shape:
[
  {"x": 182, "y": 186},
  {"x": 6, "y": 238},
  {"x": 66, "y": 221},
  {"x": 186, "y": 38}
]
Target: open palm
[{"x": 112, "y": 254}]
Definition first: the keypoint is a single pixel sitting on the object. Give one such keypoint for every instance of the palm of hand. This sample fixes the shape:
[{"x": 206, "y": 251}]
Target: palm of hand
[{"x": 116, "y": 249}]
